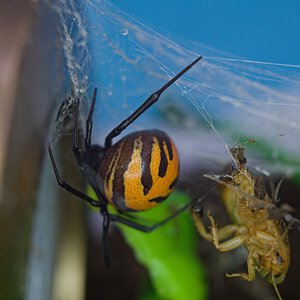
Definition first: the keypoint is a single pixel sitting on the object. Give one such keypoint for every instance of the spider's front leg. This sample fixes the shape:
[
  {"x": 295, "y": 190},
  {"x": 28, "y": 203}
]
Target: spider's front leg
[{"x": 144, "y": 106}]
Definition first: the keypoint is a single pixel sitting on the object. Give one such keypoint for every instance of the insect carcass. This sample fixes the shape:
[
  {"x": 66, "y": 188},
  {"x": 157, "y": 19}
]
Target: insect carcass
[{"x": 248, "y": 205}]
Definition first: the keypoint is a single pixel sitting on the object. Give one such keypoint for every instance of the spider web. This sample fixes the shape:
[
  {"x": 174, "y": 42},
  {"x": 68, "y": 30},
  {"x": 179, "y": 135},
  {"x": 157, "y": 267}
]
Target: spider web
[{"x": 219, "y": 103}]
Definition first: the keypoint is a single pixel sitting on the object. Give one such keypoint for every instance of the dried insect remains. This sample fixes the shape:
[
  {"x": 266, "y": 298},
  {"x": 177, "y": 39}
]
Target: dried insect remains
[{"x": 248, "y": 205}]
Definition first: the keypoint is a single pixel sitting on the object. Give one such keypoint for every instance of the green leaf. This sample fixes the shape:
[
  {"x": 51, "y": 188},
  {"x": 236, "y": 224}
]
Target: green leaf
[{"x": 169, "y": 252}]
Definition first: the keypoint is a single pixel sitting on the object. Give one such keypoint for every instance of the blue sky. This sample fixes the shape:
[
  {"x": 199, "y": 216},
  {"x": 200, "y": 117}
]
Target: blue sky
[{"x": 254, "y": 30}]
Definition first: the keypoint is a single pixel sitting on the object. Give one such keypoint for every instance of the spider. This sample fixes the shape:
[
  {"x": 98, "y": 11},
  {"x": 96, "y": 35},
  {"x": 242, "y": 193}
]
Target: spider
[{"x": 135, "y": 174}]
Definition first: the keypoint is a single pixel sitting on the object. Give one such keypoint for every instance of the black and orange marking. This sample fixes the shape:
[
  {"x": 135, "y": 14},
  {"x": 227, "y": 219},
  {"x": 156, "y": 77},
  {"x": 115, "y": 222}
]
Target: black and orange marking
[{"x": 140, "y": 170}]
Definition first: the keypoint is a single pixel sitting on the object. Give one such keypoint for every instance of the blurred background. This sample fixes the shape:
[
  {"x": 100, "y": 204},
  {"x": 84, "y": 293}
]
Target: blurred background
[
  {"x": 251, "y": 30},
  {"x": 245, "y": 87}
]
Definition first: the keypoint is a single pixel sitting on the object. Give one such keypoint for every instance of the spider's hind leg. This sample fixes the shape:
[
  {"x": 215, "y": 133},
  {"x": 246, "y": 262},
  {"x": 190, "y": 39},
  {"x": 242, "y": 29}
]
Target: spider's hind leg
[{"x": 106, "y": 223}]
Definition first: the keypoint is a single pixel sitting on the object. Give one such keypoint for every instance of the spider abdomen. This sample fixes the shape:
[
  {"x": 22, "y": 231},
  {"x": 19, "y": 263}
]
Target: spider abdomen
[{"x": 140, "y": 170}]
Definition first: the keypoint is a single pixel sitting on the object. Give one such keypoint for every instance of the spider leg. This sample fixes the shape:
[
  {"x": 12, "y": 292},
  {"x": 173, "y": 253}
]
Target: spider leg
[
  {"x": 76, "y": 149},
  {"x": 149, "y": 102},
  {"x": 89, "y": 122},
  {"x": 68, "y": 187},
  {"x": 143, "y": 228},
  {"x": 106, "y": 219}
]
